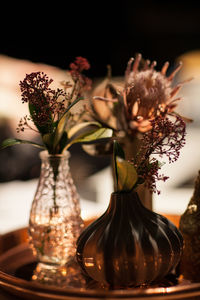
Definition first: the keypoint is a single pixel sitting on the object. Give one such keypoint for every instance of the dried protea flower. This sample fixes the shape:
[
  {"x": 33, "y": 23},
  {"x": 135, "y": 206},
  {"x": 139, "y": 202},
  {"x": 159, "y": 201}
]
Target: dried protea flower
[
  {"x": 144, "y": 95},
  {"x": 148, "y": 92}
]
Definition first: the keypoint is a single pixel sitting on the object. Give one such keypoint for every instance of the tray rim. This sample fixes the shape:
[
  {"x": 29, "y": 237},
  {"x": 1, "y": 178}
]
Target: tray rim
[{"x": 12, "y": 283}]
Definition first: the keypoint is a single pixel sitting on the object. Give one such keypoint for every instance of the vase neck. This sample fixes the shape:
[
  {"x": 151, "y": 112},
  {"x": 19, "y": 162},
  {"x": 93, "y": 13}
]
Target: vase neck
[
  {"x": 123, "y": 200},
  {"x": 54, "y": 164},
  {"x": 45, "y": 156}
]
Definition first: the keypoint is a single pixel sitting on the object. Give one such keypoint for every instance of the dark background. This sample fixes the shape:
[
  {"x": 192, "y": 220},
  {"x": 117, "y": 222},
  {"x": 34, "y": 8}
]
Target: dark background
[{"x": 105, "y": 32}]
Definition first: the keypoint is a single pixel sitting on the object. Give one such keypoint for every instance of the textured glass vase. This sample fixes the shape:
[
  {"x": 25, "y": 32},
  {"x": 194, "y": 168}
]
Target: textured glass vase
[
  {"x": 55, "y": 222},
  {"x": 129, "y": 245}
]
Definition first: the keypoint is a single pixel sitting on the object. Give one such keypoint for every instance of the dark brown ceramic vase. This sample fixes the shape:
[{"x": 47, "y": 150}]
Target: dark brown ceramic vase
[{"x": 129, "y": 245}]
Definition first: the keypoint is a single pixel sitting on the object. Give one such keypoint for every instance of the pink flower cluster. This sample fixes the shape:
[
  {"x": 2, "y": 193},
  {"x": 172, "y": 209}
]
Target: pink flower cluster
[
  {"x": 79, "y": 65},
  {"x": 76, "y": 68},
  {"x": 45, "y": 103},
  {"x": 165, "y": 138}
]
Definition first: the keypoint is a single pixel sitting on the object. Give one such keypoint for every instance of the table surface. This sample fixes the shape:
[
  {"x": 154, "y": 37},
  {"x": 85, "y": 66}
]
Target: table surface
[{"x": 4, "y": 295}]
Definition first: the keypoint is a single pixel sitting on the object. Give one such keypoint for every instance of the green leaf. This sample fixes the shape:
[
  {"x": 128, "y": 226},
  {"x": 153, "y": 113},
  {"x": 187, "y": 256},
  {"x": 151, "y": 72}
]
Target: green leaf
[
  {"x": 126, "y": 175},
  {"x": 60, "y": 129},
  {"x": 75, "y": 129},
  {"x": 63, "y": 142},
  {"x": 11, "y": 142},
  {"x": 92, "y": 136},
  {"x": 48, "y": 139},
  {"x": 33, "y": 111},
  {"x": 63, "y": 122},
  {"x": 117, "y": 151}
]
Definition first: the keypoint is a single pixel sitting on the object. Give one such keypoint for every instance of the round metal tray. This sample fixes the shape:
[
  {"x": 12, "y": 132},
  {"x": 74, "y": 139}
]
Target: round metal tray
[{"x": 17, "y": 261}]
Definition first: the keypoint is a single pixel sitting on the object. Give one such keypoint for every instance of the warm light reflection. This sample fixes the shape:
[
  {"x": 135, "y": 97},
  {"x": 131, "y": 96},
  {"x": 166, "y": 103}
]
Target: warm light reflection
[
  {"x": 46, "y": 220},
  {"x": 63, "y": 271},
  {"x": 191, "y": 68},
  {"x": 89, "y": 261}
]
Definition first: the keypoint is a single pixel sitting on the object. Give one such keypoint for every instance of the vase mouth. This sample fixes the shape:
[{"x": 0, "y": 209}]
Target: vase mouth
[
  {"x": 45, "y": 154},
  {"x": 124, "y": 192},
  {"x": 124, "y": 195}
]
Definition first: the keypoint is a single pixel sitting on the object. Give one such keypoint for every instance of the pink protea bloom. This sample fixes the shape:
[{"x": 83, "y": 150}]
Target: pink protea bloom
[
  {"x": 143, "y": 95},
  {"x": 148, "y": 92}
]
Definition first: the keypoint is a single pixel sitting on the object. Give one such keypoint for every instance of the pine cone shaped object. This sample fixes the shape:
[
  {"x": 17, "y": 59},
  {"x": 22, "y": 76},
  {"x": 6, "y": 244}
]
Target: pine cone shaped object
[{"x": 190, "y": 228}]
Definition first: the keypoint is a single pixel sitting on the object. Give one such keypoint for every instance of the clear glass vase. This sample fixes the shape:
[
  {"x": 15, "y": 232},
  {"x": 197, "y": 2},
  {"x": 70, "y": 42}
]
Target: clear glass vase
[{"x": 55, "y": 222}]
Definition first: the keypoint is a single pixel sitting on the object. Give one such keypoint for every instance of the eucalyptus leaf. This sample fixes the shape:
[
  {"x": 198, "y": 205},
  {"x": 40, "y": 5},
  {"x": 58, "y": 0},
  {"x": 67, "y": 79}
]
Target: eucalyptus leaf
[
  {"x": 48, "y": 139},
  {"x": 63, "y": 122},
  {"x": 126, "y": 175},
  {"x": 92, "y": 136},
  {"x": 63, "y": 142},
  {"x": 117, "y": 151},
  {"x": 75, "y": 129},
  {"x": 12, "y": 141},
  {"x": 60, "y": 129}
]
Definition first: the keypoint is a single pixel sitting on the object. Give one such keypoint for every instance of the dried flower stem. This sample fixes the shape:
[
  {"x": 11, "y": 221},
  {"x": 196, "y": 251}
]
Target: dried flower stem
[{"x": 165, "y": 138}]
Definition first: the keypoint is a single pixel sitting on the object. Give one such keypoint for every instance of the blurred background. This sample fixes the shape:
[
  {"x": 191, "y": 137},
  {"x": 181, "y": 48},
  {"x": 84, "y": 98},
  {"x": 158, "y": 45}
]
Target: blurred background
[{"x": 47, "y": 37}]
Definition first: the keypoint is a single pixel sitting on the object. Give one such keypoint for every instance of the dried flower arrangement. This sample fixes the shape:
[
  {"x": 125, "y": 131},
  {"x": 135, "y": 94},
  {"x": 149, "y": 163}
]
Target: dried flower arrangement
[
  {"x": 143, "y": 109},
  {"x": 51, "y": 111},
  {"x": 129, "y": 245},
  {"x": 130, "y": 106},
  {"x": 165, "y": 138},
  {"x": 55, "y": 220},
  {"x": 141, "y": 112}
]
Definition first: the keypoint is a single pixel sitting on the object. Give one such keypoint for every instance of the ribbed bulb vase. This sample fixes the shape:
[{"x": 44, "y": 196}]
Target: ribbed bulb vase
[{"x": 129, "y": 245}]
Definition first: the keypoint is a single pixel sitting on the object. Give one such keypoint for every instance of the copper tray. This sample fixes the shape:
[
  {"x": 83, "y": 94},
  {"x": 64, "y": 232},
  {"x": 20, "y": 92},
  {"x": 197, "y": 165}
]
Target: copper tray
[{"x": 15, "y": 257}]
